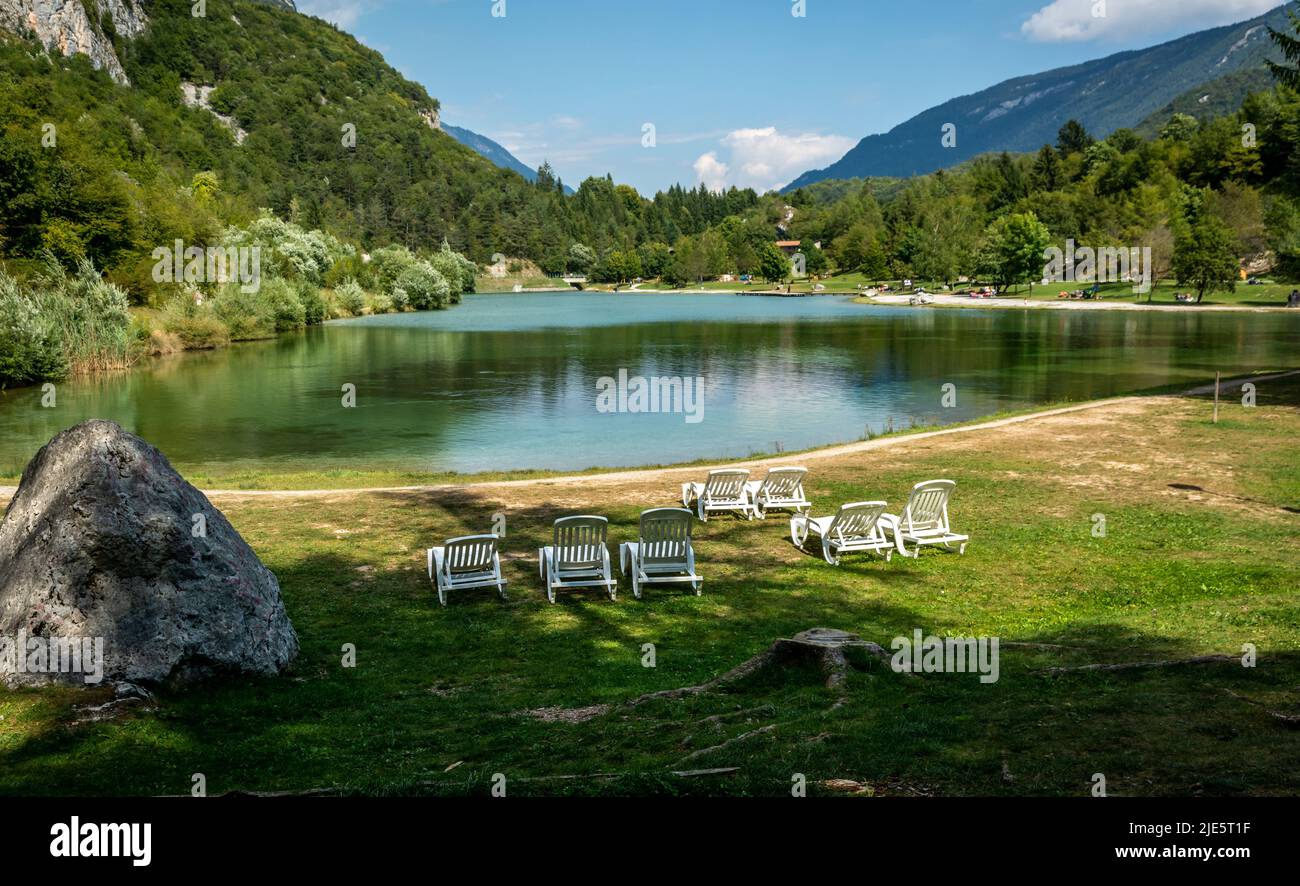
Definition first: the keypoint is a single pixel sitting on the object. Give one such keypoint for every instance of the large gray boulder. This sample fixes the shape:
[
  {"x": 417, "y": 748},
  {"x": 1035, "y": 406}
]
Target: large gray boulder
[{"x": 104, "y": 540}]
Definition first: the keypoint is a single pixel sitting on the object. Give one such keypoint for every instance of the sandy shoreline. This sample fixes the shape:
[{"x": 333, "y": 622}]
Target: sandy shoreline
[{"x": 945, "y": 300}]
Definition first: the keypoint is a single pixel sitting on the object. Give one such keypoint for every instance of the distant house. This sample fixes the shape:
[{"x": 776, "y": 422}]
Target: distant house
[{"x": 789, "y": 247}]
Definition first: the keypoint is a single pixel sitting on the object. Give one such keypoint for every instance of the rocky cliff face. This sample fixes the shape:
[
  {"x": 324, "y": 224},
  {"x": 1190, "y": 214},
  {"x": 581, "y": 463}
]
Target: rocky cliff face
[{"x": 64, "y": 26}]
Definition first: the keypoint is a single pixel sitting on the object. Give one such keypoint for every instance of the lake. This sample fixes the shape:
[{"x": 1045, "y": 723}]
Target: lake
[{"x": 511, "y": 381}]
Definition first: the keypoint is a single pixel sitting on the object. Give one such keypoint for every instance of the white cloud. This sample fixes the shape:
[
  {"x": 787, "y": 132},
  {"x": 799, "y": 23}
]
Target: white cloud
[
  {"x": 711, "y": 172},
  {"x": 765, "y": 159},
  {"x": 1080, "y": 20}
]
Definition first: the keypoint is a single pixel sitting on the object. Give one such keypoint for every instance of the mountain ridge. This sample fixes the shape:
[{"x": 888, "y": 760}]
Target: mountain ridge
[
  {"x": 493, "y": 151},
  {"x": 1023, "y": 113}
]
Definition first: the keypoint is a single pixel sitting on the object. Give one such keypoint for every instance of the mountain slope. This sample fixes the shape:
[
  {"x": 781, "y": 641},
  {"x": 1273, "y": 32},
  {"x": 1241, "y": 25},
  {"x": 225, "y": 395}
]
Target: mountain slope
[
  {"x": 493, "y": 151},
  {"x": 1025, "y": 113},
  {"x": 286, "y": 111},
  {"x": 1210, "y": 100}
]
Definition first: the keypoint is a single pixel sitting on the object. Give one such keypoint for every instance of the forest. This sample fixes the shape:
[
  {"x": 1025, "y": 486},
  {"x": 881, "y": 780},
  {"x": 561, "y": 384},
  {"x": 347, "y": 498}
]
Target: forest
[{"x": 307, "y": 145}]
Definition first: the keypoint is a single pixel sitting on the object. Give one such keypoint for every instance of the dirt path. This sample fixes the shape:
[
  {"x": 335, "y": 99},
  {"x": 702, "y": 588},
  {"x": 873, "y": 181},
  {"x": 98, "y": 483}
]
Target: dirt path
[{"x": 1063, "y": 421}]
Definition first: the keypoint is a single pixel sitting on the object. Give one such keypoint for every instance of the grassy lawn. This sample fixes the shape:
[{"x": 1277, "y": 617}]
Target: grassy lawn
[
  {"x": 489, "y": 285},
  {"x": 1199, "y": 557},
  {"x": 1272, "y": 294}
]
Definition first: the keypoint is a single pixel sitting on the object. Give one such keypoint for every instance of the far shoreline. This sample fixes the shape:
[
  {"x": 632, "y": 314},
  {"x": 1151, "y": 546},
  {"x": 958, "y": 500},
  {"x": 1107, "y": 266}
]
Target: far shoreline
[{"x": 938, "y": 300}]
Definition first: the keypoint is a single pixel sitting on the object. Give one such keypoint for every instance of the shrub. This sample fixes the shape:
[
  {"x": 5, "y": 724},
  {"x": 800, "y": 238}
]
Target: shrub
[
  {"x": 31, "y": 348},
  {"x": 351, "y": 297},
  {"x": 313, "y": 304},
  {"x": 424, "y": 287},
  {"x": 459, "y": 272},
  {"x": 283, "y": 305},
  {"x": 387, "y": 264},
  {"x": 290, "y": 251},
  {"x": 244, "y": 314},
  {"x": 381, "y": 303},
  {"x": 62, "y": 323},
  {"x": 196, "y": 327}
]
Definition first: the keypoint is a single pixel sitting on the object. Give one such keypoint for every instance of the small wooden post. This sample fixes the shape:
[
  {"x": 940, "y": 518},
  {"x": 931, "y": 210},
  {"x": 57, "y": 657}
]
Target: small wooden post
[{"x": 1218, "y": 376}]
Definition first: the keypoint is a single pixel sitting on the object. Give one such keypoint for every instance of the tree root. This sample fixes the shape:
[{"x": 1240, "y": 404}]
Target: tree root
[
  {"x": 829, "y": 649},
  {"x": 762, "y": 730},
  {"x": 1290, "y": 721}
]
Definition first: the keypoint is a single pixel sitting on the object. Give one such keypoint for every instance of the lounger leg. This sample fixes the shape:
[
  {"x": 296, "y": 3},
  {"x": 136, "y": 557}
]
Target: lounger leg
[
  {"x": 798, "y": 531},
  {"x": 636, "y": 585},
  {"x": 828, "y": 553},
  {"x": 703, "y": 512},
  {"x": 610, "y": 585},
  {"x": 962, "y": 550}
]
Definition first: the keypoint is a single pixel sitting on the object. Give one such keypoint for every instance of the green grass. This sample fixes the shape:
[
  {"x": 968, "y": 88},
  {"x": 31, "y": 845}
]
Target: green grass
[
  {"x": 1272, "y": 294},
  {"x": 1175, "y": 576}
]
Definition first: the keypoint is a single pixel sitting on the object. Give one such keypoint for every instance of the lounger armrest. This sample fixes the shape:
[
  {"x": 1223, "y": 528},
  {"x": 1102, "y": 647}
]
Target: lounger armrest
[{"x": 893, "y": 526}]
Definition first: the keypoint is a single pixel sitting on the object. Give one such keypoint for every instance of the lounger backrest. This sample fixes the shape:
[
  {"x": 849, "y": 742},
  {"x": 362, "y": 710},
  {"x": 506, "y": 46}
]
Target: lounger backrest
[
  {"x": 580, "y": 541},
  {"x": 784, "y": 484},
  {"x": 928, "y": 506},
  {"x": 473, "y": 553},
  {"x": 665, "y": 535},
  {"x": 727, "y": 485},
  {"x": 857, "y": 521}
]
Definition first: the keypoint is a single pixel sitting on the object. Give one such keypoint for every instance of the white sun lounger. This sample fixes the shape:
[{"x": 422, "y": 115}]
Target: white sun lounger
[
  {"x": 724, "y": 491},
  {"x": 663, "y": 552},
  {"x": 468, "y": 562},
  {"x": 781, "y": 489},
  {"x": 925, "y": 519},
  {"x": 579, "y": 557},
  {"x": 855, "y": 527}
]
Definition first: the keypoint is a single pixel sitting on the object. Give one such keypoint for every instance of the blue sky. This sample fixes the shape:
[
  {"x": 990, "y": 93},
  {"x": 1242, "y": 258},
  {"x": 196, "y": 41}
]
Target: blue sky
[{"x": 739, "y": 92}]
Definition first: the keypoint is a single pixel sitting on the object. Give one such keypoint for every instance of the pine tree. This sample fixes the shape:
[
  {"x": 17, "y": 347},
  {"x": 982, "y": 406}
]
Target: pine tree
[{"x": 1288, "y": 75}]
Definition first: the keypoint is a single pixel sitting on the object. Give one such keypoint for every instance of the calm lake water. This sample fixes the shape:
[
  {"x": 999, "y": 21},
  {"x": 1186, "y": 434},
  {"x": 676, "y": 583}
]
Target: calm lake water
[{"x": 510, "y": 381}]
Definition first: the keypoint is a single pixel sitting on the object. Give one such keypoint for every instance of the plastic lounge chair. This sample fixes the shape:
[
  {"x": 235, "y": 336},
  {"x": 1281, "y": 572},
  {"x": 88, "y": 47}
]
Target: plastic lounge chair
[
  {"x": 579, "y": 558},
  {"x": 468, "y": 562},
  {"x": 855, "y": 527},
  {"x": 925, "y": 519},
  {"x": 663, "y": 551},
  {"x": 723, "y": 491},
  {"x": 781, "y": 489}
]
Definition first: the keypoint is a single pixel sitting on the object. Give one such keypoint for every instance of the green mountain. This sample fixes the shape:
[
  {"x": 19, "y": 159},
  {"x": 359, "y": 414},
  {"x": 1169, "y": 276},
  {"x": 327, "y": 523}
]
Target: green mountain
[
  {"x": 127, "y": 124},
  {"x": 1209, "y": 101},
  {"x": 1115, "y": 92}
]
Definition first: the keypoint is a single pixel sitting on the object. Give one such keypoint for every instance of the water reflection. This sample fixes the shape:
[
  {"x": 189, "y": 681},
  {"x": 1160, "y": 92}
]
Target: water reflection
[{"x": 510, "y": 381}]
